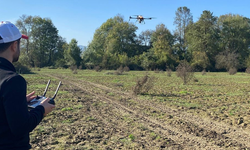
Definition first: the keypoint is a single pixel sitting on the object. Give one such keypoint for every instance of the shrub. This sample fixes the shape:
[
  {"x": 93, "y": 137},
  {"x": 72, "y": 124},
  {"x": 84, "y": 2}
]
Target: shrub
[
  {"x": 22, "y": 69},
  {"x": 203, "y": 72},
  {"x": 227, "y": 60},
  {"x": 248, "y": 70},
  {"x": 169, "y": 72},
  {"x": 119, "y": 71},
  {"x": 61, "y": 63},
  {"x": 126, "y": 69},
  {"x": 89, "y": 65},
  {"x": 52, "y": 67},
  {"x": 195, "y": 80},
  {"x": 156, "y": 70},
  {"x": 232, "y": 71},
  {"x": 73, "y": 69},
  {"x": 97, "y": 69},
  {"x": 184, "y": 71},
  {"x": 143, "y": 85}
]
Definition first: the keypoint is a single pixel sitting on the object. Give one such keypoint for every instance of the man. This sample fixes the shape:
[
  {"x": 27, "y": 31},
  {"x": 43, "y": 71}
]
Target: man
[{"x": 16, "y": 122}]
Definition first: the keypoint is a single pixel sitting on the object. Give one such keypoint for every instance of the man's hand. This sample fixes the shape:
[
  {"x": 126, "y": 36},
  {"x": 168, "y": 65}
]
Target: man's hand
[
  {"x": 30, "y": 96},
  {"x": 47, "y": 106}
]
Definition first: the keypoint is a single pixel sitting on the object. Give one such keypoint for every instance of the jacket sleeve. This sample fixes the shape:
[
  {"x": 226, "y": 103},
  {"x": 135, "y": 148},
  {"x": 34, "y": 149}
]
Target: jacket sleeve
[{"x": 20, "y": 120}]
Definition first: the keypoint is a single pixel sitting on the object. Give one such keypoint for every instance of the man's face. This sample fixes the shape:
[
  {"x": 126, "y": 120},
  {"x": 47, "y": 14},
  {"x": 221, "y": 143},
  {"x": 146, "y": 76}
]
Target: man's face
[{"x": 17, "y": 53}]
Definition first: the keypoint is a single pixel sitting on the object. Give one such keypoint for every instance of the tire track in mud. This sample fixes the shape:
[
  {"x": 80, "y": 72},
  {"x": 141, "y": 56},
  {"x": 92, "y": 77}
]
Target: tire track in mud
[
  {"x": 190, "y": 139},
  {"x": 187, "y": 140},
  {"x": 116, "y": 124},
  {"x": 219, "y": 131}
]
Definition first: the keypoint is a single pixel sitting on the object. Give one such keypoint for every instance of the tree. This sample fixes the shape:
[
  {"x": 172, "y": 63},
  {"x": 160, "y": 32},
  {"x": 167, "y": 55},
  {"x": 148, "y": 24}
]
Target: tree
[
  {"x": 121, "y": 39},
  {"x": 162, "y": 41},
  {"x": 44, "y": 37},
  {"x": 227, "y": 60},
  {"x": 73, "y": 54},
  {"x": 202, "y": 40},
  {"x": 112, "y": 44},
  {"x": 44, "y": 46},
  {"x": 145, "y": 37},
  {"x": 148, "y": 60},
  {"x": 234, "y": 40},
  {"x": 59, "y": 57},
  {"x": 182, "y": 19},
  {"x": 25, "y": 24}
]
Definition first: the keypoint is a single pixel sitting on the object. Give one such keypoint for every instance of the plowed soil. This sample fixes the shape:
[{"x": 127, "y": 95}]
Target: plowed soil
[{"x": 94, "y": 116}]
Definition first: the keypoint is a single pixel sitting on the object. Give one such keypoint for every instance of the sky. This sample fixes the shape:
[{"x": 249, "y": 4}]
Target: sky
[{"x": 79, "y": 19}]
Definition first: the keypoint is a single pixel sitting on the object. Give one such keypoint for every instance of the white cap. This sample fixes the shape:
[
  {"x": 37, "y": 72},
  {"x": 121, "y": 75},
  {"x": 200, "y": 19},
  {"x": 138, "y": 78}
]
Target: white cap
[{"x": 9, "y": 32}]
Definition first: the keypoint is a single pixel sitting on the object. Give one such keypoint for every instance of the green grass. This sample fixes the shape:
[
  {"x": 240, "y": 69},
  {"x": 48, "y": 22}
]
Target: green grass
[
  {"x": 78, "y": 106},
  {"x": 67, "y": 109},
  {"x": 67, "y": 121},
  {"x": 211, "y": 83},
  {"x": 215, "y": 95},
  {"x": 209, "y": 92},
  {"x": 131, "y": 137}
]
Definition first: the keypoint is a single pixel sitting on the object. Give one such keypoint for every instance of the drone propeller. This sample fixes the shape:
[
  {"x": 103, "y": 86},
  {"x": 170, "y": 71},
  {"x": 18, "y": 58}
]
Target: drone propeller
[
  {"x": 133, "y": 17},
  {"x": 137, "y": 16},
  {"x": 150, "y": 18}
]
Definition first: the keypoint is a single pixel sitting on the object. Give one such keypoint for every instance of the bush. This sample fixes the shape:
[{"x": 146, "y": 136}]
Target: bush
[
  {"x": 169, "y": 72},
  {"x": 126, "y": 69},
  {"x": 195, "y": 80},
  {"x": 21, "y": 69},
  {"x": 73, "y": 69},
  {"x": 97, "y": 68},
  {"x": 203, "y": 72},
  {"x": 227, "y": 60},
  {"x": 89, "y": 65},
  {"x": 156, "y": 70},
  {"x": 232, "y": 71},
  {"x": 61, "y": 64},
  {"x": 143, "y": 85},
  {"x": 52, "y": 67},
  {"x": 248, "y": 70},
  {"x": 185, "y": 72},
  {"x": 119, "y": 71}
]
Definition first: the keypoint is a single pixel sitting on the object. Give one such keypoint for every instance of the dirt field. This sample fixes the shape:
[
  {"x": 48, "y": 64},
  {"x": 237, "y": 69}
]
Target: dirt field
[{"x": 98, "y": 111}]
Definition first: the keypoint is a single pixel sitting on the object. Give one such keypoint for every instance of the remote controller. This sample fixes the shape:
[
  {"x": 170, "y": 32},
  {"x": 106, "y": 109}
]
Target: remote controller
[{"x": 37, "y": 101}]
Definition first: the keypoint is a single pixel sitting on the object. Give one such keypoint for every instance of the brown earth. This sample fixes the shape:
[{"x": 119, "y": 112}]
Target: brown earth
[{"x": 95, "y": 116}]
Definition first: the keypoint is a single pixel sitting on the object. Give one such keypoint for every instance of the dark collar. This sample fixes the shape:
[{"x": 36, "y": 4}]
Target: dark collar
[{"x": 5, "y": 64}]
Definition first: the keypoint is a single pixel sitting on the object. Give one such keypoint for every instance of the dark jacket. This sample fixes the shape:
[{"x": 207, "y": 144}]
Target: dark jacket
[{"x": 16, "y": 122}]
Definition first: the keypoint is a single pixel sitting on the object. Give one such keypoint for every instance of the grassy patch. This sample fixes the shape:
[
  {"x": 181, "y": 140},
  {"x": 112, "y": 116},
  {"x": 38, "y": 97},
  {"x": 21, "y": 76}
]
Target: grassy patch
[{"x": 67, "y": 109}]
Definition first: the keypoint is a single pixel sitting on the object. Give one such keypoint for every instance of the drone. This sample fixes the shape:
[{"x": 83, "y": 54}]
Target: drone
[{"x": 140, "y": 18}]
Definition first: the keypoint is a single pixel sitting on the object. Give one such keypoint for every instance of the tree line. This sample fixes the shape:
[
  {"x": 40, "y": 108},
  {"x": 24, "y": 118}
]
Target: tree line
[{"x": 211, "y": 43}]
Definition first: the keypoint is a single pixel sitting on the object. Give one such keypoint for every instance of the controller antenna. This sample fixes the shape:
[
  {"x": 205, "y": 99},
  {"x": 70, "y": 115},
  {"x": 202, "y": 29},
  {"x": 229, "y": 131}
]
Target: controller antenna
[
  {"x": 45, "y": 91},
  {"x": 57, "y": 90}
]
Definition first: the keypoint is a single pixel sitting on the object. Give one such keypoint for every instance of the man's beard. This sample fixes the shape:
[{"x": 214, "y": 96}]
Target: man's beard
[
  {"x": 15, "y": 58},
  {"x": 17, "y": 54}
]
